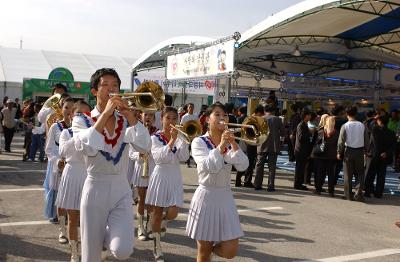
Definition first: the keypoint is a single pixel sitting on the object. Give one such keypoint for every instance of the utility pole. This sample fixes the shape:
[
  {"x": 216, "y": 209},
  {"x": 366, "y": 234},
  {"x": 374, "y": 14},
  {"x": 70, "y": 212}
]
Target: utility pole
[{"x": 20, "y": 43}]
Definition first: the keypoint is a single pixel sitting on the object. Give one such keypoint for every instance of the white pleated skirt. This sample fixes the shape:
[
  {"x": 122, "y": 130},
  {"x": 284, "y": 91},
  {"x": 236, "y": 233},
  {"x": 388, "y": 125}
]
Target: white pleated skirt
[
  {"x": 165, "y": 186},
  {"x": 137, "y": 179},
  {"x": 213, "y": 215},
  {"x": 71, "y": 185}
]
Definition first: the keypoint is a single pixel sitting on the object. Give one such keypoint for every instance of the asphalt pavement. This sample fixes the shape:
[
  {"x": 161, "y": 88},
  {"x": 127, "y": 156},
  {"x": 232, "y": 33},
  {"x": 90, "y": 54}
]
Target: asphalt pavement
[{"x": 286, "y": 225}]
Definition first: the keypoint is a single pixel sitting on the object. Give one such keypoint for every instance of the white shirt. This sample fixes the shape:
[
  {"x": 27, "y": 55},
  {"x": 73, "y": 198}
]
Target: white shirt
[
  {"x": 52, "y": 153},
  {"x": 75, "y": 159},
  {"x": 9, "y": 117},
  {"x": 186, "y": 117},
  {"x": 213, "y": 168},
  {"x": 102, "y": 158},
  {"x": 44, "y": 113},
  {"x": 354, "y": 134}
]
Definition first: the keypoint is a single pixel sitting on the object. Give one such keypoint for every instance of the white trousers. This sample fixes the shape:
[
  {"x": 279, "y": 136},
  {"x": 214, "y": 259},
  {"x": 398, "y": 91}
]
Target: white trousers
[{"x": 106, "y": 217}]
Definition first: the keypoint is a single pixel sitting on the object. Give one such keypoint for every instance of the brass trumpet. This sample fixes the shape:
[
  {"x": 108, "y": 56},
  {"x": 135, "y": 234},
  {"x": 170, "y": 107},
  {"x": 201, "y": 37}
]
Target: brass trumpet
[
  {"x": 253, "y": 131},
  {"x": 149, "y": 97},
  {"x": 189, "y": 130}
]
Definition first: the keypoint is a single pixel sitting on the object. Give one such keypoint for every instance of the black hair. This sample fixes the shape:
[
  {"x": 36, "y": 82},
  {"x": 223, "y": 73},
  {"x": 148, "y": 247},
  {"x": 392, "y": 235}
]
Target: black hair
[
  {"x": 168, "y": 109},
  {"x": 243, "y": 109},
  {"x": 351, "y": 111},
  {"x": 259, "y": 109},
  {"x": 337, "y": 110},
  {"x": 370, "y": 113},
  {"x": 190, "y": 104},
  {"x": 64, "y": 96},
  {"x": 269, "y": 108},
  {"x": 305, "y": 112},
  {"x": 59, "y": 85},
  {"x": 211, "y": 108},
  {"x": 95, "y": 79},
  {"x": 168, "y": 100},
  {"x": 82, "y": 102},
  {"x": 68, "y": 99},
  {"x": 383, "y": 119},
  {"x": 229, "y": 107},
  {"x": 320, "y": 111},
  {"x": 284, "y": 112}
]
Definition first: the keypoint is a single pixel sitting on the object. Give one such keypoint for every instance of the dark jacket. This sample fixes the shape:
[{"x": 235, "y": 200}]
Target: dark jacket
[
  {"x": 369, "y": 125},
  {"x": 303, "y": 139},
  {"x": 330, "y": 145},
  {"x": 273, "y": 143},
  {"x": 294, "y": 122},
  {"x": 383, "y": 140}
]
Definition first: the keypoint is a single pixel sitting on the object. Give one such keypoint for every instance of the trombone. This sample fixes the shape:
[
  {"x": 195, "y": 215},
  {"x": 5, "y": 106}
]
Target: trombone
[
  {"x": 254, "y": 130},
  {"x": 189, "y": 130},
  {"x": 149, "y": 97}
]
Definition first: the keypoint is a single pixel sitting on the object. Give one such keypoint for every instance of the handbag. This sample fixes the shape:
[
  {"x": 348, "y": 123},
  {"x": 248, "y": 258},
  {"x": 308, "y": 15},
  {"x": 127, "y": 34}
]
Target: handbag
[{"x": 319, "y": 148}]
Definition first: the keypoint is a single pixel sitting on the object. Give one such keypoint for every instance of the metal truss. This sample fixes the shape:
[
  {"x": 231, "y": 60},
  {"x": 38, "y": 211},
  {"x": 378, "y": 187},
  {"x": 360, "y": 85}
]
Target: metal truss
[
  {"x": 254, "y": 69},
  {"x": 151, "y": 65},
  {"x": 378, "y": 8},
  {"x": 342, "y": 66},
  {"x": 377, "y": 43}
]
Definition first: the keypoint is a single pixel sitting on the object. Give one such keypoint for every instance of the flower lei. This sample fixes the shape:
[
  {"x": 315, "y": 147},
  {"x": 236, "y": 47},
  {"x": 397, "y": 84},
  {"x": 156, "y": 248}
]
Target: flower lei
[
  {"x": 61, "y": 125},
  {"x": 107, "y": 155},
  {"x": 164, "y": 140}
]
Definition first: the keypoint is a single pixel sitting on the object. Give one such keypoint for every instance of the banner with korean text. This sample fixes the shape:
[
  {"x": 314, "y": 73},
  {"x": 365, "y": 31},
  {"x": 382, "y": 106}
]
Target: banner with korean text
[{"x": 210, "y": 61}]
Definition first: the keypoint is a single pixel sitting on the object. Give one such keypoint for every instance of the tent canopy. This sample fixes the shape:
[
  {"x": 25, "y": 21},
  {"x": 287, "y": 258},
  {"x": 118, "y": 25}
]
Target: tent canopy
[{"x": 321, "y": 37}]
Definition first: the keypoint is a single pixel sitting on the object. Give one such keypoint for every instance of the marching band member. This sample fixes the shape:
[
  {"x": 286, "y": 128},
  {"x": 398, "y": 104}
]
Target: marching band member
[
  {"x": 72, "y": 180},
  {"x": 53, "y": 175},
  {"x": 140, "y": 182},
  {"x": 165, "y": 185},
  {"x": 213, "y": 218},
  {"x": 106, "y": 216}
]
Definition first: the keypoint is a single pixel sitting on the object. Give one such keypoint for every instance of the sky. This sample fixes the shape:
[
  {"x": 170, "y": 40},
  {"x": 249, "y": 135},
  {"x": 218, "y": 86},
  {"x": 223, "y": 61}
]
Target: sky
[{"x": 124, "y": 28}]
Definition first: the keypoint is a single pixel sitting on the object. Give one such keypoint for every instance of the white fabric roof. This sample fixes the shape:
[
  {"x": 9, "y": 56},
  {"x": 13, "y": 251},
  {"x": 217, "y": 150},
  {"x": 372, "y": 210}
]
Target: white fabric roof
[{"x": 17, "y": 64}]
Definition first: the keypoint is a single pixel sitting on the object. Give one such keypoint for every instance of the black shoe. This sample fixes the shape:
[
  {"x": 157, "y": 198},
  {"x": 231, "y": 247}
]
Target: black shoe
[
  {"x": 377, "y": 196},
  {"x": 302, "y": 187},
  {"x": 259, "y": 188},
  {"x": 238, "y": 184},
  {"x": 351, "y": 198},
  {"x": 367, "y": 195},
  {"x": 250, "y": 185},
  {"x": 271, "y": 189},
  {"x": 316, "y": 192},
  {"x": 331, "y": 194},
  {"x": 53, "y": 220}
]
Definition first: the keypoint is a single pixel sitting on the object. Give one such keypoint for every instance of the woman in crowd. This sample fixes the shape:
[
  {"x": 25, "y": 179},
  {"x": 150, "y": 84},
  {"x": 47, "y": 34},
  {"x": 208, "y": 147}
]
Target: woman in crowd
[{"x": 325, "y": 159}]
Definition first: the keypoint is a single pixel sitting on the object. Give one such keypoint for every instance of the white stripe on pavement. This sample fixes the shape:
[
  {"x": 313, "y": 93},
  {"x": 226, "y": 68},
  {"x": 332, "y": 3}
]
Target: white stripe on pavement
[
  {"x": 22, "y": 171},
  {"x": 26, "y": 223},
  {"x": 245, "y": 210},
  {"x": 359, "y": 256},
  {"x": 21, "y": 189}
]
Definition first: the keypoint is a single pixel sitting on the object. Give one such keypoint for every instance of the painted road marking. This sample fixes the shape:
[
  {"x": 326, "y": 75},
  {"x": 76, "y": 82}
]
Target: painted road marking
[
  {"x": 245, "y": 210},
  {"x": 21, "y": 189},
  {"x": 359, "y": 256},
  {"x": 25, "y": 223}
]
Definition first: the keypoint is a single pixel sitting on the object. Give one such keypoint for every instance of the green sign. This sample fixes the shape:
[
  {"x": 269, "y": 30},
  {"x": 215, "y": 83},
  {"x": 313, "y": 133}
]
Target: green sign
[
  {"x": 61, "y": 74},
  {"x": 39, "y": 89}
]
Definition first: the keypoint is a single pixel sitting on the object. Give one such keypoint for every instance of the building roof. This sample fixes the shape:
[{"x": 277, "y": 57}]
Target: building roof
[{"x": 17, "y": 64}]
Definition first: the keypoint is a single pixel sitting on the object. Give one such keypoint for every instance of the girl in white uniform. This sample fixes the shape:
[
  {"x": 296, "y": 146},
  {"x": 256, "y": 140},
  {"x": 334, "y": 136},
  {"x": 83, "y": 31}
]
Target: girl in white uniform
[
  {"x": 53, "y": 156},
  {"x": 72, "y": 180},
  {"x": 165, "y": 186},
  {"x": 213, "y": 218},
  {"x": 138, "y": 181},
  {"x": 104, "y": 136}
]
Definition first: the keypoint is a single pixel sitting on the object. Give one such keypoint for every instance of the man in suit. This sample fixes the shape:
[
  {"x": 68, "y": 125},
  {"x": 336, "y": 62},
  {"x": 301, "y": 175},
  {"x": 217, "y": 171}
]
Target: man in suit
[
  {"x": 269, "y": 150},
  {"x": 302, "y": 149}
]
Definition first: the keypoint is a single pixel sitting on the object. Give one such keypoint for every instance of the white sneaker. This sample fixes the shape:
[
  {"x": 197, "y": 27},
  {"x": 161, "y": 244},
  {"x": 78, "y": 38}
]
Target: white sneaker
[
  {"x": 62, "y": 237},
  {"x": 74, "y": 251},
  {"x": 157, "y": 251},
  {"x": 163, "y": 227},
  {"x": 141, "y": 232}
]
